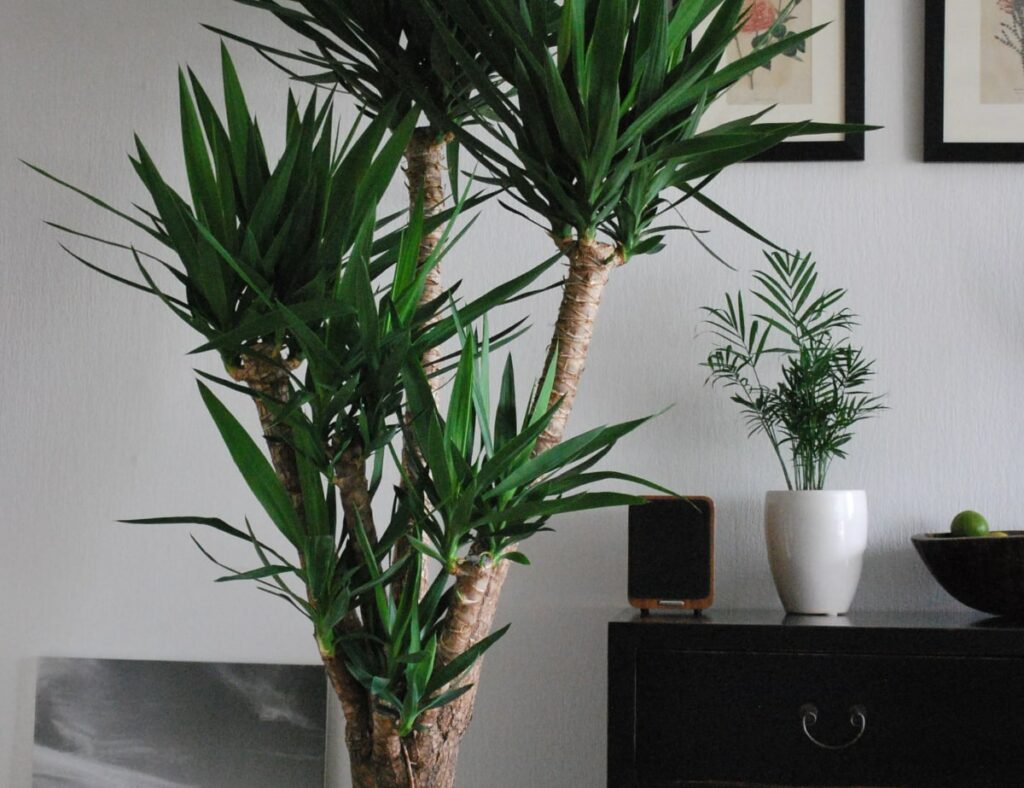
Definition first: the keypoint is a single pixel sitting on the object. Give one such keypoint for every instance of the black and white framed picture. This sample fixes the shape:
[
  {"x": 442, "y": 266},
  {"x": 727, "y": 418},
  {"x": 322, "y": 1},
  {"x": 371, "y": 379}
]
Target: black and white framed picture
[
  {"x": 820, "y": 80},
  {"x": 138, "y": 724},
  {"x": 974, "y": 80}
]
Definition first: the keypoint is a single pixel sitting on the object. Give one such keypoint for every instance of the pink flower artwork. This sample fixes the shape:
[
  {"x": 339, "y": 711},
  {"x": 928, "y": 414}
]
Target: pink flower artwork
[{"x": 762, "y": 15}]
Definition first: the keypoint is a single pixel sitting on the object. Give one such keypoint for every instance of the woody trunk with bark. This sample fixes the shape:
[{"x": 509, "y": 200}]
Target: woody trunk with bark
[{"x": 586, "y": 113}]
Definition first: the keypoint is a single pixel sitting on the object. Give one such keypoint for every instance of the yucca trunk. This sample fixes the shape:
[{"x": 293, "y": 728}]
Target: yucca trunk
[
  {"x": 355, "y": 706},
  {"x": 425, "y": 166},
  {"x": 480, "y": 581},
  {"x": 590, "y": 265},
  {"x": 353, "y": 489},
  {"x": 379, "y": 757},
  {"x": 425, "y": 171},
  {"x": 267, "y": 375},
  {"x": 265, "y": 372}
]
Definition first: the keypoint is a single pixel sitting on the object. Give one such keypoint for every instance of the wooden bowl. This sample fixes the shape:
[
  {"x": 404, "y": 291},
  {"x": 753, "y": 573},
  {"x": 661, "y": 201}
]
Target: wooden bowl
[{"x": 983, "y": 572}]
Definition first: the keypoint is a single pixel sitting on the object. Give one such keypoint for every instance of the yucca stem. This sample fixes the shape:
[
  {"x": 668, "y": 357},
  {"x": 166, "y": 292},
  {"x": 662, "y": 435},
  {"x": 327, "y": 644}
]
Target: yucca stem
[
  {"x": 267, "y": 375},
  {"x": 424, "y": 172},
  {"x": 480, "y": 581},
  {"x": 354, "y": 490},
  {"x": 355, "y": 706},
  {"x": 590, "y": 265},
  {"x": 470, "y": 615},
  {"x": 384, "y": 759},
  {"x": 265, "y": 372}
]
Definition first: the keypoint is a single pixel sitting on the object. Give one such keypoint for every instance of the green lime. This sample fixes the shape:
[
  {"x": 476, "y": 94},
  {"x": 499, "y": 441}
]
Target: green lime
[{"x": 969, "y": 523}]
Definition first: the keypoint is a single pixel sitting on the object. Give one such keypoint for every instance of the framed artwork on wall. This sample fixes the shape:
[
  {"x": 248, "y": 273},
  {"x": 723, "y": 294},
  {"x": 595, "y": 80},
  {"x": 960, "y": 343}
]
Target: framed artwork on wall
[
  {"x": 974, "y": 80},
  {"x": 822, "y": 80}
]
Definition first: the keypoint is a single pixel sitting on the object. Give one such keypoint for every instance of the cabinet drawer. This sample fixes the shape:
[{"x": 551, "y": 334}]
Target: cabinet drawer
[{"x": 735, "y": 717}]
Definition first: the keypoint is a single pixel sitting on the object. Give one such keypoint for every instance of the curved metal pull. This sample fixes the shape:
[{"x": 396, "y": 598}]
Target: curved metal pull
[{"x": 858, "y": 719}]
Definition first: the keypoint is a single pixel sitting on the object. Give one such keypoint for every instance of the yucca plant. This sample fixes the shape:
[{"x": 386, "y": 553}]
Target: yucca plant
[
  {"x": 318, "y": 312},
  {"x": 485, "y": 484},
  {"x": 587, "y": 113},
  {"x": 808, "y": 415}
]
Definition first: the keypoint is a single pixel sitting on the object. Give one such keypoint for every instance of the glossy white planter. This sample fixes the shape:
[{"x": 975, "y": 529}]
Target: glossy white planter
[{"x": 816, "y": 541}]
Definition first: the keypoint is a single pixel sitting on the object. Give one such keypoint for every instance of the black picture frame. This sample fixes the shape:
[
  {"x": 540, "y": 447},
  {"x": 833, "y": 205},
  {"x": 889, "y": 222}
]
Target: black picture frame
[
  {"x": 851, "y": 147},
  {"x": 936, "y": 149}
]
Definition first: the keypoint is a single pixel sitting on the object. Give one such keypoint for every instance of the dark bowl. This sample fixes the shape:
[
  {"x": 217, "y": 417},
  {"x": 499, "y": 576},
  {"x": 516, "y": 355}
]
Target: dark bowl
[{"x": 983, "y": 572}]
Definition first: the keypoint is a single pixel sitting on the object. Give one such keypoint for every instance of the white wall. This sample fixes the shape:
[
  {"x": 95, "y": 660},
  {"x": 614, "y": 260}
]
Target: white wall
[{"x": 99, "y": 418}]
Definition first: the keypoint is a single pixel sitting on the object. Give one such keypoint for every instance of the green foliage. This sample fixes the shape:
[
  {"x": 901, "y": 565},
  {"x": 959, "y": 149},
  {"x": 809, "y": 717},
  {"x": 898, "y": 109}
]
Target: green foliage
[
  {"x": 592, "y": 132},
  {"x": 352, "y": 394},
  {"x": 353, "y": 389},
  {"x": 256, "y": 235},
  {"x": 318, "y": 306},
  {"x": 382, "y": 53},
  {"x": 291, "y": 264},
  {"x": 478, "y": 481},
  {"x": 402, "y": 672},
  {"x": 475, "y": 483},
  {"x": 810, "y": 413}
]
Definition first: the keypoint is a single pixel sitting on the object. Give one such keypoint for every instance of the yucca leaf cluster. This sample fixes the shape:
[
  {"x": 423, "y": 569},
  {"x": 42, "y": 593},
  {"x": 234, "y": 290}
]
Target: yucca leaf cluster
[
  {"x": 484, "y": 484},
  {"x": 381, "y": 53},
  {"x": 590, "y": 133},
  {"x": 809, "y": 414},
  {"x": 250, "y": 236}
]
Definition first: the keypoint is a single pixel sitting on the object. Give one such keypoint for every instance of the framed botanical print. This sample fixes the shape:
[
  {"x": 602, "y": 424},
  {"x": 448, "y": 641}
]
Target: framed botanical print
[
  {"x": 822, "y": 79},
  {"x": 974, "y": 80}
]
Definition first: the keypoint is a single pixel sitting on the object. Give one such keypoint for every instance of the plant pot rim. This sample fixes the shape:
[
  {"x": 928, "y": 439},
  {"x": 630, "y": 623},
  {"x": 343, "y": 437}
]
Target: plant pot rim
[{"x": 812, "y": 492}]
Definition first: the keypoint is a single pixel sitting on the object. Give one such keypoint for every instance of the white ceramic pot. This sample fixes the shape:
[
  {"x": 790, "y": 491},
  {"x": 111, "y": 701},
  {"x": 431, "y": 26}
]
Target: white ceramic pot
[{"x": 816, "y": 541}]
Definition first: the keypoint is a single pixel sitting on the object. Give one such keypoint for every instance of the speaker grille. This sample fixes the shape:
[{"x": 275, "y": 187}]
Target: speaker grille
[{"x": 670, "y": 542}]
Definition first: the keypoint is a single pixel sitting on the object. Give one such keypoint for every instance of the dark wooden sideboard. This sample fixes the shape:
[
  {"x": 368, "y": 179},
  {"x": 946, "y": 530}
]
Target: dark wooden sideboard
[{"x": 748, "y": 698}]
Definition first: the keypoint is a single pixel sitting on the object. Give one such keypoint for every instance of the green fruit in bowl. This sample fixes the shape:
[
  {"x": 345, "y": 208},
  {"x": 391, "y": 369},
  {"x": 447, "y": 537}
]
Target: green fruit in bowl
[
  {"x": 998, "y": 533},
  {"x": 969, "y": 523}
]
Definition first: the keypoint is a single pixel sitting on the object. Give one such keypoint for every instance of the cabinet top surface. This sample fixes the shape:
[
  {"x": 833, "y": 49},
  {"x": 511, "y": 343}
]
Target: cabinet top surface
[{"x": 903, "y": 620}]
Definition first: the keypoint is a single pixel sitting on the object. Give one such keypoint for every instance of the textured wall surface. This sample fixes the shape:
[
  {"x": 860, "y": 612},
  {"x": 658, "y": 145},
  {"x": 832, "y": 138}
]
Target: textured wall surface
[{"x": 99, "y": 417}]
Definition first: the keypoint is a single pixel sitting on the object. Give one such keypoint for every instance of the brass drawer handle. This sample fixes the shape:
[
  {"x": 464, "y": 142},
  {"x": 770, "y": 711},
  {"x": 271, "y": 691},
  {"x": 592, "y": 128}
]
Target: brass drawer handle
[{"x": 858, "y": 719}]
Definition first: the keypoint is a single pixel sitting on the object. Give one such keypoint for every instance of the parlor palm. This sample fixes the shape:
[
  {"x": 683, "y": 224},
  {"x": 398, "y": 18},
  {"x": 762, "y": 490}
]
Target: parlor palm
[{"x": 809, "y": 412}]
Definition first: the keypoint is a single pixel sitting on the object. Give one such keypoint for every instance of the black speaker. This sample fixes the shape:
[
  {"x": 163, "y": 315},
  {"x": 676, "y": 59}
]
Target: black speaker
[{"x": 672, "y": 553}]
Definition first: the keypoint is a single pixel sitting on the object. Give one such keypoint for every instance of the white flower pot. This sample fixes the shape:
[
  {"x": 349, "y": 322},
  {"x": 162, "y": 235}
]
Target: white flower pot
[{"x": 816, "y": 541}]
